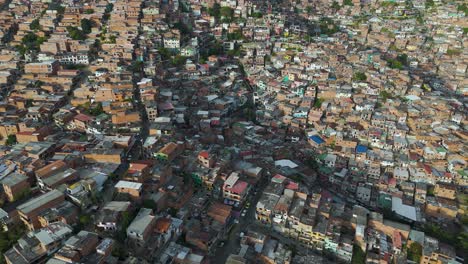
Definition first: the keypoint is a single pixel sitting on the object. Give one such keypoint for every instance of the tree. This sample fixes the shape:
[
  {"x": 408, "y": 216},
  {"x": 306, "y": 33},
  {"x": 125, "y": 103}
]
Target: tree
[
  {"x": 215, "y": 10},
  {"x": 318, "y": 102},
  {"x": 360, "y": 76},
  {"x": 385, "y": 95},
  {"x": 11, "y": 140},
  {"x": 359, "y": 256},
  {"x": 109, "y": 8},
  {"x": 113, "y": 39},
  {"x": 236, "y": 35},
  {"x": 227, "y": 12},
  {"x": 216, "y": 49},
  {"x": 414, "y": 252},
  {"x": 55, "y": 5},
  {"x": 311, "y": 163},
  {"x": 119, "y": 252},
  {"x": 9, "y": 238},
  {"x": 75, "y": 33},
  {"x": 95, "y": 111},
  {"x": 165, "y": 53},
  {"x": 172, "y": 211},
  {"x": 179, "y": 60},
  {"x": 183, "y": 28},
  {"x": 84, "y": 220},
  {"x": 429, "y": 3},
  {"x": 348, "y": 2},
  {"x": 136, "y": 66},
  {"x": 89, "y": 11},
  {"x": 328, "y": 26},
  {"x": 28, "y": 103},
  {"x": 35, "y": 25},
  {"x": 403, "y": 58},
  {"x": 148, "y": 203},
  {"x": 463, "y": 8},
  {"x": 335, "y": 6},
  {"x": 31, "y": 42},
  {"x": 397, "y": 63},
  {"x": 234, "y": 52},
  {"x": 257, "y": 14},
  {"x": 86, "y": 25}
]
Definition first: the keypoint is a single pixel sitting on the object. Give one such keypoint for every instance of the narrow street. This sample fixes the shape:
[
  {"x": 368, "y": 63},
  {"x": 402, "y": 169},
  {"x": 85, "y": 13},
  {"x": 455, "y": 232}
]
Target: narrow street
[{"x": 232, "y": 245}]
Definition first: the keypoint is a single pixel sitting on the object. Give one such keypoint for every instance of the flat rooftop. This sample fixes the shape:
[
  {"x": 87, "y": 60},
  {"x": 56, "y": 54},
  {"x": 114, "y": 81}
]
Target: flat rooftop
[{"x": 39, "y": 201}]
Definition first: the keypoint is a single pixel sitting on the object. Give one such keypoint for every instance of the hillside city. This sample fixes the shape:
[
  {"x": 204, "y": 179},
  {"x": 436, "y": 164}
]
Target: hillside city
[{"x": 233, "y": 131}]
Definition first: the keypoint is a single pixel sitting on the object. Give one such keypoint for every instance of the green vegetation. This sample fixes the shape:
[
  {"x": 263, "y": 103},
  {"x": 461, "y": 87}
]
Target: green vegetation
[
  {"x": 30, "y": 42},
  {"x": 359, "y": 76},
  {"x": 296, "y": 178},
  {"x": 109, "y": 8},
  {"x": 112, "y": 39},
  {"x": 420, "y": 19},
  {"x": 226, "y": 12},
  {"x": 348, "y": 2},
  {"x": 178, "y": 60},
  {"x": 75, "y": 33},
  {"x": 89, "y": 11},
  {"x": 85, "y": 219},
  {"x": 35, "y": 25},
  {"x": 414, "y": 252},
  {"x": 385, "y": 95},
  {"x": 94, "y": 111},
  {"x": 55, "y": 5},
  {"x": 11, "y": 140},
  {"x": 165, "y": 53},
  {"x": 359, "y": 256},
  {"x": 215, "y": 10},
  {"x": 124, "y": 223},
  {"x": 119, "y": 251},
  {"x": 457, "y": 239},
  {"x": 257, "y": 15},
  {"x": 430, "y": 191},
  {"x": 388, "y": 3},
  {"x": 136, "y": 66},
  {"x": 328, "y": 26},
  {"x": 234, "y": 52},
  {"x": 183, "y": 28},
  {"x": 86, "y": 25},
  {"x": 429, "y": 4},
  {"x": 335, "y": 6},
  {"x": 172, "y": 211},
  {"x": 9, "y": 238},
  {"x": 215, "y": 49},
  {"x": 395, "y": 64},
  {"x": 453, "y": 52},
  {"x": 463, "y": 8},
  {"x": 148, "y": 203},
  {"x": 75, "y": 66},
  {"x": 28, "y": 103},
  {"x": 236, "y": 35},
  {"x": 318, "y": 102},
  {"x": 399, "y": 62},
  {"x": 311, "y": 163},
  {"x": 393, "y": 47}
]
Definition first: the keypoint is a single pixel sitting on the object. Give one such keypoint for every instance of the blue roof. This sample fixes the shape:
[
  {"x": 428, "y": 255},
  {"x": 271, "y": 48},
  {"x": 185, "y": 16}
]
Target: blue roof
[
  {"x": 361, "y": 149},
  {"x": 317, "y": 139}
]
